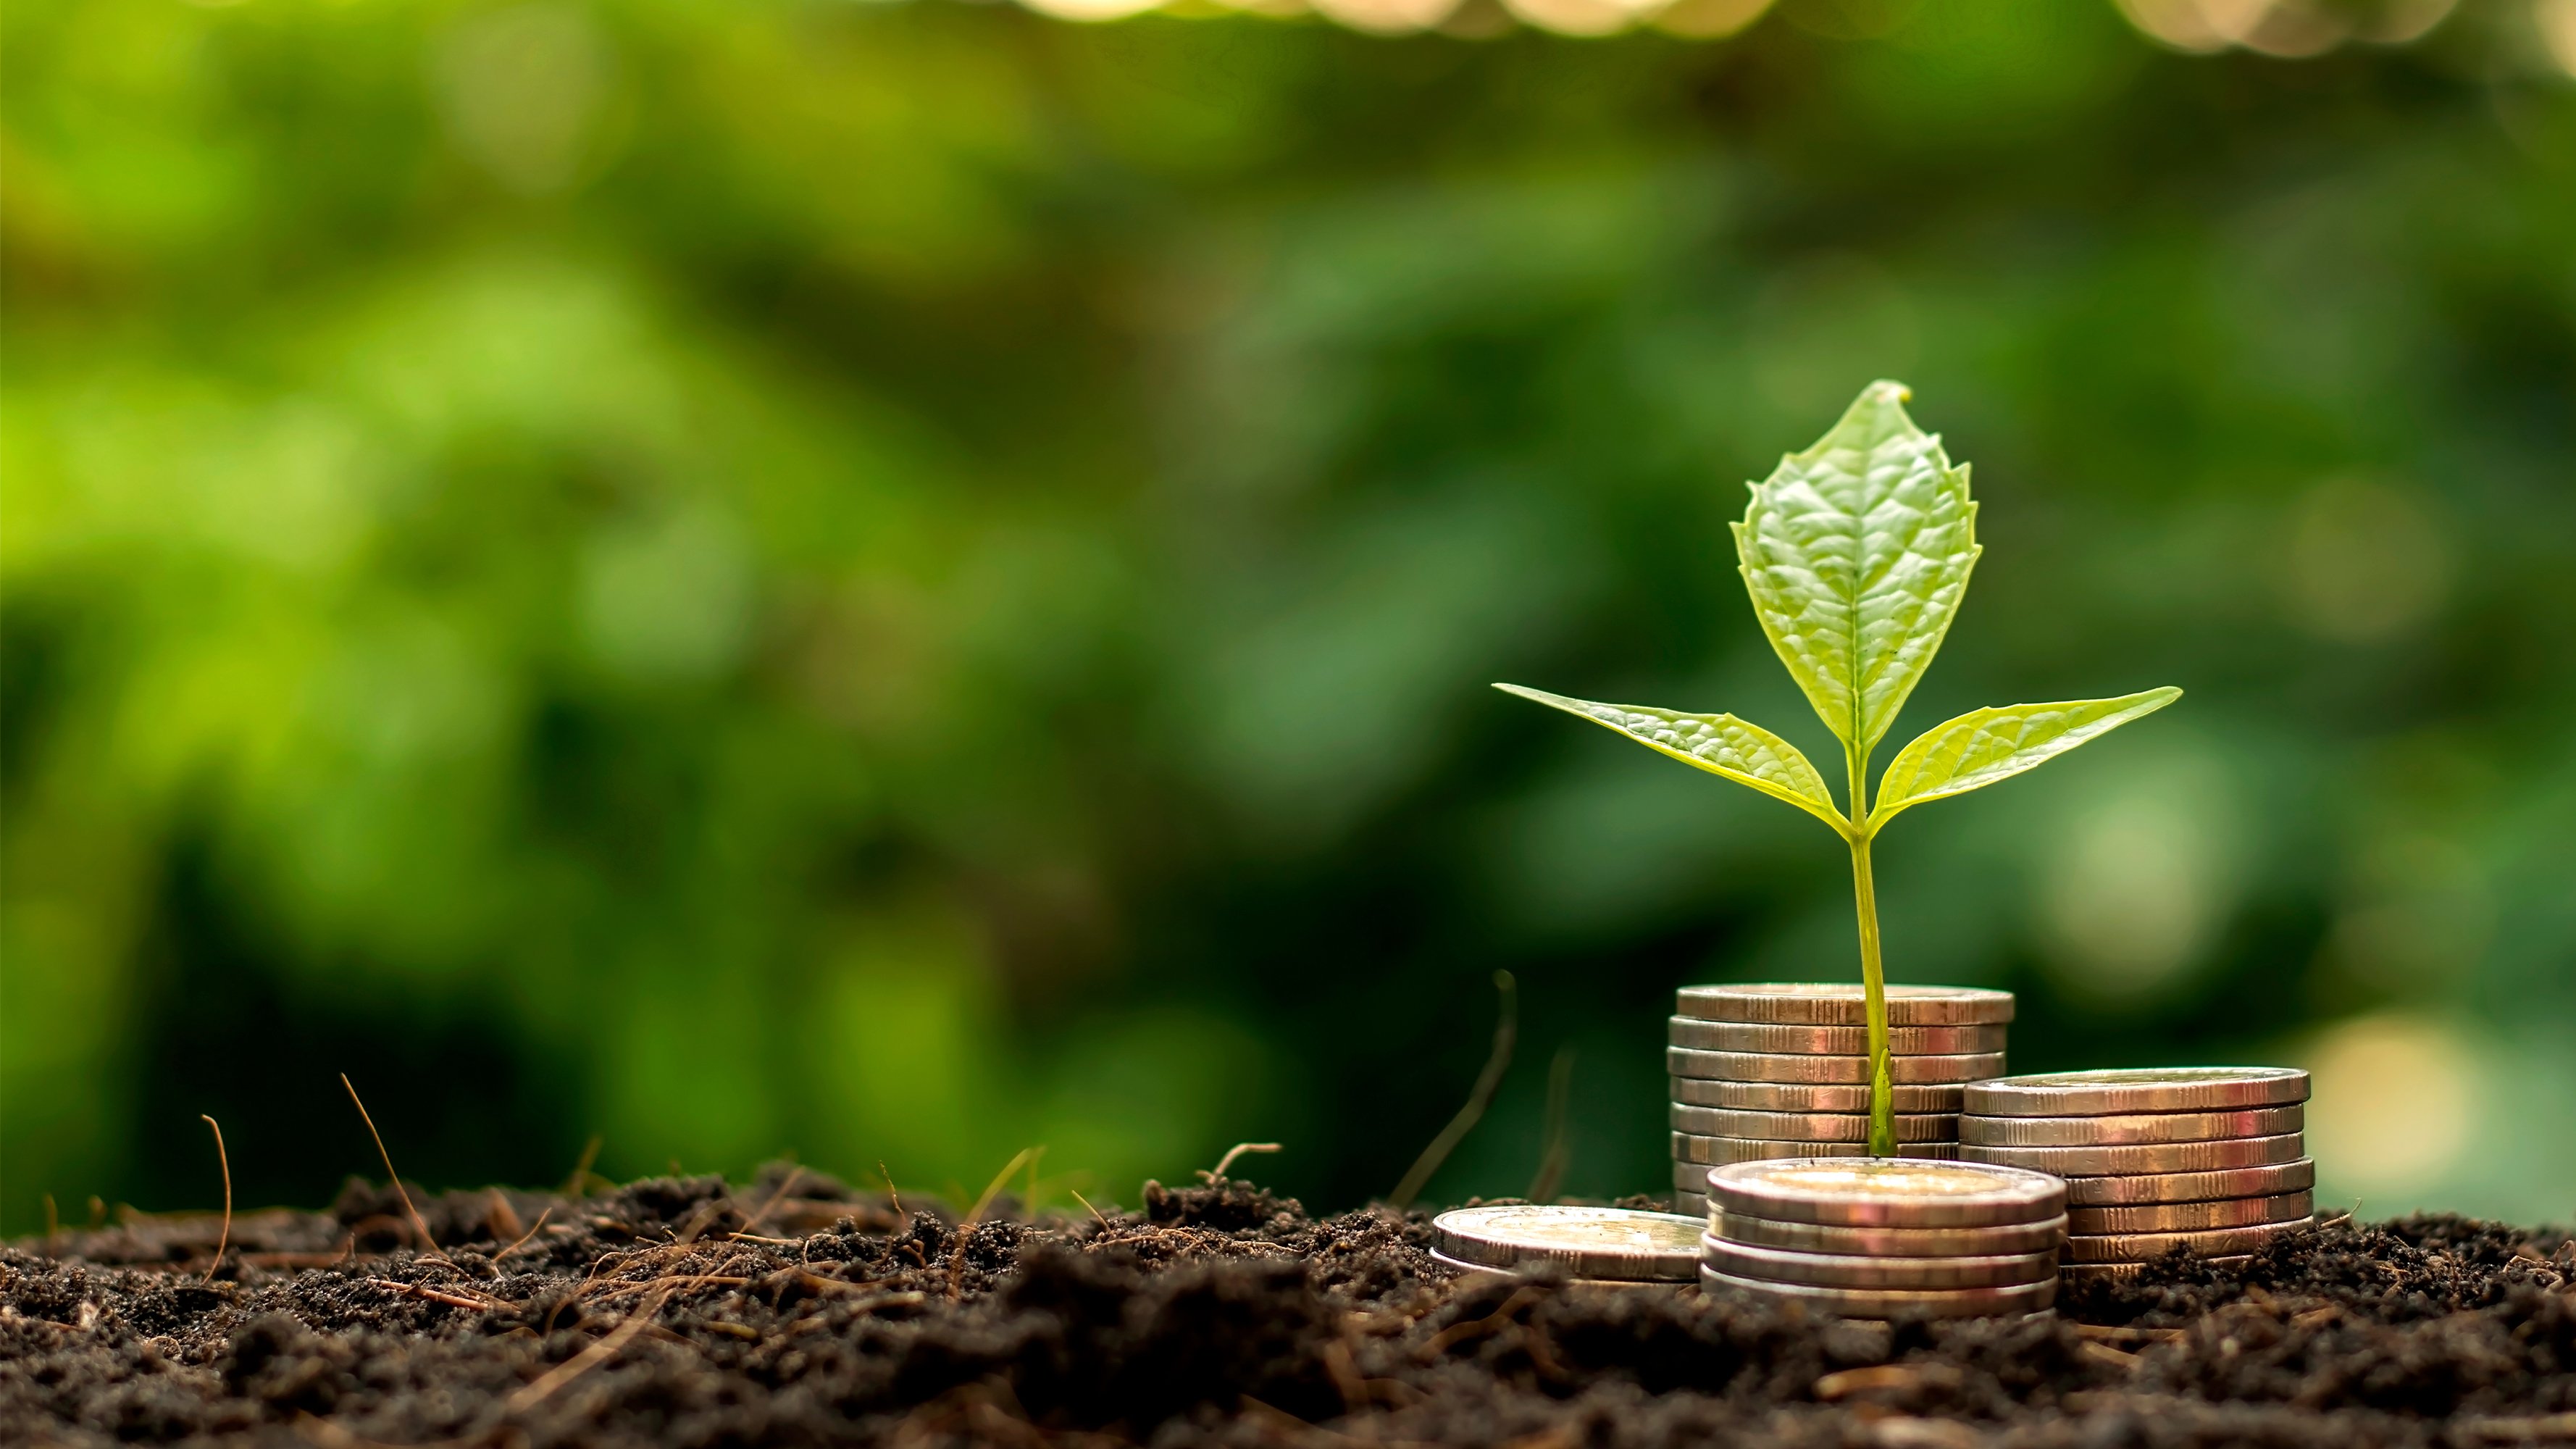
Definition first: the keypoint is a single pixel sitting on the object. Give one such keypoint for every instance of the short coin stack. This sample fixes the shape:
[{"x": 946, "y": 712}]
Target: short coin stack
[
  {"x": 2212, "y": 1160},
  {"x": 1886, "y": 1237},
  {"x": 1604, "y": 1245},
  {"x": 1776, "y": 1070}
]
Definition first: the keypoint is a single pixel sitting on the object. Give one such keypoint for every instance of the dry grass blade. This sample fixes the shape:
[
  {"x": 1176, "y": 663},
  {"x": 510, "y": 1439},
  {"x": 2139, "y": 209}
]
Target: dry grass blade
[
  {"x": 428, "y": 1245},
  {"x": 785, "y": 1186},
  {"x": 891, "y": 1194},
  {"x": 1217, "y": 1174},
  {"x": 538, "y": 1227},
  {"x": 1558, "y": 1152},
  {"x": 993, "y": 1189},
  {"x": 1496, "y": 1063},
  {"x": 583, "y": 1362},
  {"x": 223, "y": 1160}
]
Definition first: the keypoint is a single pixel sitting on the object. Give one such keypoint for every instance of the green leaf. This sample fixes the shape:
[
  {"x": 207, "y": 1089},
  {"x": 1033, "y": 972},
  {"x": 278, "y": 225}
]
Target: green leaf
[
  {"x": 1857, "y": 553},
  {"x": 1985, "y": 745},
  {"x": 1718, "y": 743}
]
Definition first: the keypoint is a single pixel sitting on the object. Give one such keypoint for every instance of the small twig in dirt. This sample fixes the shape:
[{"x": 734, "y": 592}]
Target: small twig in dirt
[
  {"x": 582, "y": 1362},
  {"x": 790, "y": 1181},
  {"x": 1477, "y": 1328},
  {"x": 53, "y": 1223},
  {"x": 1558, "y": 1152},
  {"x": 428, "y": 1245},
  {"x": 890, "y": 1192},
  {"x": 530, "y": 1233},
  {"x": 993, "y": 1189},
  {"x": 773, "y": 1242},
  {"x": 224, "y": 1161},
  {"x": 1419, "y": 1176},
  {"x": 580, "y": 1179},
  {"x": 2109, "y": 1333},
  {"x": 1105, "y": 1224},
  {"x": 415, "y": 1290},
  {"x": 1217, "y": 1174}
]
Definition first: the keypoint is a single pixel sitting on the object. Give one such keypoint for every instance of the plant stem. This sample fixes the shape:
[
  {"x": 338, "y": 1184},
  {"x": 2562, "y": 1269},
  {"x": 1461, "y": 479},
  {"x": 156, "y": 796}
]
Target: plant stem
[{"x": 1882, "y": 1096}]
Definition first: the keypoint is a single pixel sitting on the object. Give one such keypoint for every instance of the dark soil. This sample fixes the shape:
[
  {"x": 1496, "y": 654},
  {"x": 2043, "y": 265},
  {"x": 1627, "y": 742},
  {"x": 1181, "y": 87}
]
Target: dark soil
[{"x": 682, "y": 1312}]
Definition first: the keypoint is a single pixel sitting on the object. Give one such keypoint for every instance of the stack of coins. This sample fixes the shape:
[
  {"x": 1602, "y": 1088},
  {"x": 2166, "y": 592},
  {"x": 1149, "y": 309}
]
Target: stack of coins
[
  {"x": 1885, "y": 1237},
  {"x": 1597, "y": 1244},
  {"x": 1776, "y": 1070},
  {"x": 2212, "y": 1160}
]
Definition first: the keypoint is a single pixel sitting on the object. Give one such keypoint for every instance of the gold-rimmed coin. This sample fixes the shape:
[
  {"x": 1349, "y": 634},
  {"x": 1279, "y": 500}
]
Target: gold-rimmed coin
[
  {"x": 1994, "y": 1239},
  {"x": 1717, "y": 1151},
  {"x": 2149, "y": 1127},
  {"x": 1806, "y": 1126},
  {"x": 1691, "y": 1177},
  {"x": 1811, "y": 1096},
  {"x": 1842, "y": 1003},
  {"x": 2094, "y": 1272},
  {"x": 1892, "y": 1303},
  {"x": 2127, "y": 1091},
  {"x": 2173, "y": 1187},
  {"x": 1591, "y": 1242},
  {"x": 1694, "y": 1204},
  {"x": 1463, "y": 1266},
  {"x": 2139, "y": 1247},
  {"x": 1912, "y": 1041},
  {"x": 1835, "y": 1270},
  {"x": 1800, "y": 1067},
  {"x": 1886, "y": 1193},
  {"x": 2152, "y": 1158},
  {"x": 2191, "y": 1217}
]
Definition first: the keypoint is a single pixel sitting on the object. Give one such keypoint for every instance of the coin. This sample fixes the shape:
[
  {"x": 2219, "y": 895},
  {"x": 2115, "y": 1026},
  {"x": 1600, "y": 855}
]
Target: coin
[
  {"x": 2172, "y": 1187},
  {"x": 1810, "y": 1096},
  {"x": 1842, "y": 1003},
  {"x": 1693, "y": 1203},
  {"x": 1887, "y": 1193},
  {"x": 1805, "y": 1067},
  {"x": 2191, "y": 1217},
  {"x": 2152, "y": 1127},
  {"x": 1807, "y": 1126},
  {"x": 1463, "y": 1266},
  {"x": 2144, "y": 1089},
  {"x": 2094, "y": 1272},
  {"x": 1593, "y": 1242},
  {"x": 1914, "y": 1041},
  {"x": 2138, "y": 1247},
  {"x": 1691, "y": 1177},
  {"x": 1835, "y": 1270},
  {"x": 2145, "y": 1158},
  {"x": 2000, "y": 1238},
  {"x": 1688, "y": 1147},
  {"x": 1894, "y": 1303}
]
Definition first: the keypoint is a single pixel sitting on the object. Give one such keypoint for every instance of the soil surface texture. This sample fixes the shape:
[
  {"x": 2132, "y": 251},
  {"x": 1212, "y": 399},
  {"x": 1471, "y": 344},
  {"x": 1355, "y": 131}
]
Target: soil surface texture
[{"x": 795, "y": 1312}]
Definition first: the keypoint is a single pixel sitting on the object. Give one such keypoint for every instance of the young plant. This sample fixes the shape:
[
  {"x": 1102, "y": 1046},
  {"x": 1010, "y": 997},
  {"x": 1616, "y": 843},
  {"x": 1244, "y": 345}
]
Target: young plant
[{"x": 1857, "y": 553}]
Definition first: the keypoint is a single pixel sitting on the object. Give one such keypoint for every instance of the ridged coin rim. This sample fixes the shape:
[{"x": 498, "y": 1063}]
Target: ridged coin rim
[
  {"x": 2145, "y": 1159},
  {"x": 1811, "y": 1096},
  {"x": 2192, "y": 1217},
  {"x": 1824, "y": 1192},
  {"x": 2135, "y": 1090},
  {"x": 1806, "y": 1126},
  {"x": 1839, "y": 1270},
  {"x": 2132, "y": 1129},
  {"x": 1941, "y": 1070},
  {"x": 2136, "y": 1189},
  {"x": 1718, "y": 1151},
  {"x": 1913, "y": 1041},
  {"x": 1987, "y": 1240},
  {"x": 1842, "y": 1003},
  {"x": 2210, "y": 1243},
  {"x": 2016, "y": 1301},
  {"x": 1486, "y": 1236}
]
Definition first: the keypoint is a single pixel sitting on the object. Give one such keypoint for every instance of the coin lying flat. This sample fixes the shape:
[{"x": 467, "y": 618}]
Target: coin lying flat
[
  {"x": 1592, "y": 1242},
  {"x": 2150, "y": 1127},
  {"x": 1811, "y": 1067},
  {"x": 1886, "y": 1193},
  {"x": 2134, "y": 1090},
  {"x": 2172, "y": 1187},
  {"x": 2191, "y": 1217},
  {"x": 1842, "y": 1003},
  {"x": 1811, "y": 1096},
  {"x": 1463, "y": 1266},
  {"x": 2152, "y": 1158},
  {"x": 2139, "y": 1247},
  {"x": 1807, "y": 1126},
  {"x": 1893, "y": 1303},
  {"x": 2091, "y": 1272},
  {"x": 1714, "y": 1151},
  {"x": 1834, "y": 1270},
  {"x": 1995, "y": 1239},
  {"x": 1916, "y": 1041}
]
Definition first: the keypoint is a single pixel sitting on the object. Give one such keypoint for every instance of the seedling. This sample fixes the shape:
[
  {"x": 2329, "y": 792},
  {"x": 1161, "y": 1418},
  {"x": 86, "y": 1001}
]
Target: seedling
[{"x": 1857, "y": 553}]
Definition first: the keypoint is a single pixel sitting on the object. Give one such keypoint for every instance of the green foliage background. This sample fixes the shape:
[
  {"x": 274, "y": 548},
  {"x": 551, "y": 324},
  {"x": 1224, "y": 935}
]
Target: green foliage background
[{"x": 901, "y": 582}]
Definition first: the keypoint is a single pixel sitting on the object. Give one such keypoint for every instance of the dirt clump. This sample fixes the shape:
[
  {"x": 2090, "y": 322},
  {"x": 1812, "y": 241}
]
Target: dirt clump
[{"x": 793, "y": 1311}]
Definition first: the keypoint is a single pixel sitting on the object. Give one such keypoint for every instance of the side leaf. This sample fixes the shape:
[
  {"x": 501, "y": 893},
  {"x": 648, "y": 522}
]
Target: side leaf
[
  {"x": 1985, "y": 745},
  {"x": 1857, "y": 553},
  {"x": 1718, "y": 743}
]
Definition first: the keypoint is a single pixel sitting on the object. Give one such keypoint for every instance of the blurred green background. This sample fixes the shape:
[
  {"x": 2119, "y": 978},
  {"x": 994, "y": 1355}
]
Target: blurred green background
[{"x": 901, "y": 582}]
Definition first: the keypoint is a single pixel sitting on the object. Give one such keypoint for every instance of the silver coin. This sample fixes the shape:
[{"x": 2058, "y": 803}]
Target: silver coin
[
  {"x": 1995, "y": 1239},
  {"x": 1806, "y": 1067},
  {"x": 2191, "y": 1217},
  {"x": 1833, "y": 1270},
  {"x": 1592, "y": 1242},
  {"x": 1463, "y": 1266},
  {"x": 1690, "y": 1177},
  {"x": 1715, "y": 1151},
  {"x": 2141, "y": 1089},
  {"x": 2151, "y": 1158},
  {"x": 1842, "y": 1003},
  {"x": 2139, "y": 1247},
  {"x": 2151, "y": 1127},
  {"x": 2167, "y": 1187},
  {"x": 2094, "y": 1272},
  {"x": 1694, "y": 1204},
  {"x": 1886, "y": 1193},
  {"x": 1806, "y": 1126},
  {"x": 1810, "y": 1096},
  {"x": 1887, "y": 1303},
  {"x": 1904, "y": 1041}
]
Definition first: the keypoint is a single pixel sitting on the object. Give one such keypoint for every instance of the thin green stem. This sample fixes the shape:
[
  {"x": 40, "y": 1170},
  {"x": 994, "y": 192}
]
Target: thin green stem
[{"x": 1882, "y": 1097}]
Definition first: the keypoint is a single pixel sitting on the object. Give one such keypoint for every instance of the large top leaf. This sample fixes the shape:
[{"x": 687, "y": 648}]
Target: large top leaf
[
  {"x": 1718, "y": 743},
  {"x": 1985, "y": 745},
  {"x": 1857, "y": 552}
]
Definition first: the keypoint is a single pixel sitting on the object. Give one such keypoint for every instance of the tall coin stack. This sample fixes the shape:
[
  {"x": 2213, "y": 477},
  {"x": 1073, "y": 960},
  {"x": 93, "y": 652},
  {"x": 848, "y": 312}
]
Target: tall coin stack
[
  {"x": 1886, "y": 1238},
  {"x": 2212, "y": 1160},
  {"x": 1776, "y": 1070}
]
